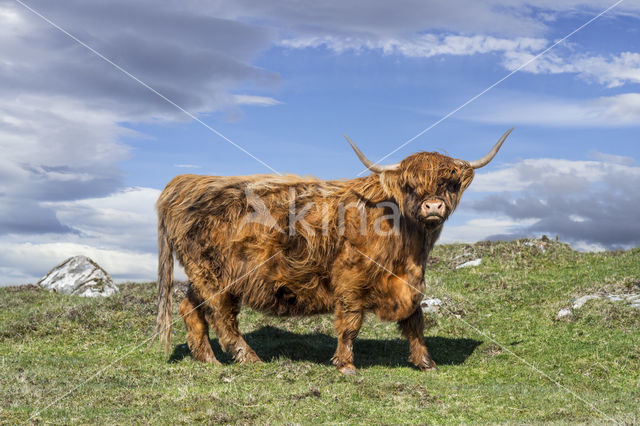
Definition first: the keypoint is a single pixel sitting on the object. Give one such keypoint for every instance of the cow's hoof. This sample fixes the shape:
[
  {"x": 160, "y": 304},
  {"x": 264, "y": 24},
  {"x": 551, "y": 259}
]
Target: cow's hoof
[
  {"x": 205, "y": 356},
  {"x": 348, "y": 370},
  {"x": 430, "y": 368},
  {"x": 427, "y": 364},
  {"x": 251, "y": 358},
  {"x": 246, "y": 355}
]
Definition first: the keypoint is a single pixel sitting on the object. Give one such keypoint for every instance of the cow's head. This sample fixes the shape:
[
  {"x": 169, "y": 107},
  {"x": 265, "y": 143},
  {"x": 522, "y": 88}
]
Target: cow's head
[{"x": 427, "y": 185}]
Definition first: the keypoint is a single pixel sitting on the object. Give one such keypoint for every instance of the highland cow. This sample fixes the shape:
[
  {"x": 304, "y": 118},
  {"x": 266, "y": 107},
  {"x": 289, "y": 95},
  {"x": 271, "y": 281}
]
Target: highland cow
[{"x": 291, "y": 245}]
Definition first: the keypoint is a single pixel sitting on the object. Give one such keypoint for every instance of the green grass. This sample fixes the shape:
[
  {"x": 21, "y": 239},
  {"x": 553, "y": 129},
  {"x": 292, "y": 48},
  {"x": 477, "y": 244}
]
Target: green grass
[{"x": 502, "y": 356}]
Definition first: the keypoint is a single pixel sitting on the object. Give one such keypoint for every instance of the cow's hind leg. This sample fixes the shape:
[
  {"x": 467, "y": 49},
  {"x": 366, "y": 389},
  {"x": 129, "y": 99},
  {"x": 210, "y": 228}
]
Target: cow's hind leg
[
  {"x": 225, "y": 323},
  {"x": 348, "y": 323},
  {"x": 413, "y": 330},
  {"x": 194, "y": 314}
]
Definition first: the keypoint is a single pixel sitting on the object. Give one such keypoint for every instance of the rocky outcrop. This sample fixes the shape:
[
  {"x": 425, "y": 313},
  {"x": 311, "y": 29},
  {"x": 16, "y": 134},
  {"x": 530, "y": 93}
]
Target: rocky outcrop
[{"x": 79, "y": 276}]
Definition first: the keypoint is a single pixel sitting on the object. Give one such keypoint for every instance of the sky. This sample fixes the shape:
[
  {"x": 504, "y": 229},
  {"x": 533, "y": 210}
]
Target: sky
[{"x": 103, "y": 102}]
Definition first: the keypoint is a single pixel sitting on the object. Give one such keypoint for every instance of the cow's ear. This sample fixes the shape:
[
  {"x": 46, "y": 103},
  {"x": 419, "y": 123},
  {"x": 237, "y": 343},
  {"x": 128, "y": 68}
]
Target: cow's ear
[
  {"x": 466, "y": 180},
  {"x": 392, "y": 185}
]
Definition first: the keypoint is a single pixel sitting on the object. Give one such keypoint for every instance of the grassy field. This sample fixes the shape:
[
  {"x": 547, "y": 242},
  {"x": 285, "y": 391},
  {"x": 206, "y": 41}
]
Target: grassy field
[{"x": 502, "y": 356}]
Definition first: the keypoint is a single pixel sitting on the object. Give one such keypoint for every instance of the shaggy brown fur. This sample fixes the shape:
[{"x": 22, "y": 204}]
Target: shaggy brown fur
[{"x": 338, "y": 263}]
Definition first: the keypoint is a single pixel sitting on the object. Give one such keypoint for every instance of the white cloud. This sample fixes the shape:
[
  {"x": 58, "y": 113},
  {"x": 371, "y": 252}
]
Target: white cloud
[
  {"x": 576, "y": 218},
  {"x": 62, "y": 107},
  {"x": 586, "y": 246},
  {"x": 53, "y": 148},
  {"x": 516, "y": 108},
  {"x": 377, "y": 19},
  {"x": 31, "y": 261},
  {"x": 566, "y": 173},
  {"x": 610, "y": 158},
  {"x": 592, "y": 205},
  {"x": 255, "y": 100},
  {"x": 56, "y": 130},
  {"x": 480, "y": 228},
  {"x": 187, "y": 166},
  {"x": 422, "y": 45},
  {"x": 117, "y": 231},
  {"x": 125, "y": 219},
  {"x": 588, "y": 203},
  {"x": 516, "y": 29},
  {"x": 613, "y": 71},
  {"x": 505, "y": 179}
]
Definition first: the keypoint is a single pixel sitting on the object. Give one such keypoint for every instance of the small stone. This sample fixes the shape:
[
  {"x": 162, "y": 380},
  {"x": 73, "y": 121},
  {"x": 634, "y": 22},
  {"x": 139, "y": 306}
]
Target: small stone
[
  {"x": 584, "y": 299},
  {"x": 79, "y": 276},
  {"x": 431, "y": 305},
  {"x": 470, "y": 263},
  {"x": 563, "y": 313}
]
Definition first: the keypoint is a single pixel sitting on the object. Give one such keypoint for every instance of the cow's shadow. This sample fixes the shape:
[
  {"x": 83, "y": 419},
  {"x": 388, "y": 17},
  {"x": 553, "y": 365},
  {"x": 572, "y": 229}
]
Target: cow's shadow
[{"x": 271, "y": 343}]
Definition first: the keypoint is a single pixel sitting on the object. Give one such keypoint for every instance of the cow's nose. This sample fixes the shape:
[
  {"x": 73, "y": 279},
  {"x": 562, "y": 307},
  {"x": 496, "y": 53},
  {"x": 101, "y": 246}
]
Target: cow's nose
[{"x": 433, "y": 206}]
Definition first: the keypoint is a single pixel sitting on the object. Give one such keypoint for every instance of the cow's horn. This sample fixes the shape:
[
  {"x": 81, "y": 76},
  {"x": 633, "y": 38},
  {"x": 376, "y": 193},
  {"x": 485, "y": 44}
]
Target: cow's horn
[
  {"x": 376, "y": 168},
  {"x": 487, "y": 158}
]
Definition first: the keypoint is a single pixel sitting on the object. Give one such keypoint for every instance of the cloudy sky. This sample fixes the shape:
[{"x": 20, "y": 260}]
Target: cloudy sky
[{"x": 103, "y": 102}]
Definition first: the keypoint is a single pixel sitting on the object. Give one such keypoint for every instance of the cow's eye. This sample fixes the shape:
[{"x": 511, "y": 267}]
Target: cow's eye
[
  {"x": 449, "y": 186},
  {"x": 453, "y": 186}
]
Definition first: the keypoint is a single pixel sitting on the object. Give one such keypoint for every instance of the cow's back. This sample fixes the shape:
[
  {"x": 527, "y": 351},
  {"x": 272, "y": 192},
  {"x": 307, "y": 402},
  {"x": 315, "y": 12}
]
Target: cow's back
[{"x": 220, "y": 234}]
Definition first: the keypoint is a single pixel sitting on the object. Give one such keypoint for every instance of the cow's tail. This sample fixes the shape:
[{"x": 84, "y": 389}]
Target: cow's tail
[{"x": 165, "y": 286}]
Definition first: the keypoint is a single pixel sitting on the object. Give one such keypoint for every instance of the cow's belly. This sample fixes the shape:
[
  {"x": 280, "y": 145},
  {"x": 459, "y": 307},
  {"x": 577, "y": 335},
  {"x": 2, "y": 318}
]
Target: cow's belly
[{"x": 291, "y": 300}]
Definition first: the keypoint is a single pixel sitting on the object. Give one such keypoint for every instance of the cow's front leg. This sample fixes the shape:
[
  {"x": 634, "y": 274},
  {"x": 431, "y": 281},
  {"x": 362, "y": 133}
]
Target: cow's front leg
[
  {"x": 348, "y": 323},
  {"x": 413, "y": 330}
]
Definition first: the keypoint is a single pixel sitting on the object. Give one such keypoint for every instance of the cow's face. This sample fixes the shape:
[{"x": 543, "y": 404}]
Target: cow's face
[{"x": 428, "y": 187}]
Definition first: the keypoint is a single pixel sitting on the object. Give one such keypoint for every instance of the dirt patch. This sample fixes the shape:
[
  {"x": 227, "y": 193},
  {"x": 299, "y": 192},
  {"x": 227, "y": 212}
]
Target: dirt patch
[{"x": 313, "y": 393}]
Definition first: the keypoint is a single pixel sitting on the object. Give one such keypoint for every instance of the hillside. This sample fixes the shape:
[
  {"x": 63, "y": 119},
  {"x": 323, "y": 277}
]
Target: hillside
[{"x": 503, "y": 355}]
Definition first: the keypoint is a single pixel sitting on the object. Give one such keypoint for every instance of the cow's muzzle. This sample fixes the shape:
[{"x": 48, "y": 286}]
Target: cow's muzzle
[{"x": 433, "y": 211}]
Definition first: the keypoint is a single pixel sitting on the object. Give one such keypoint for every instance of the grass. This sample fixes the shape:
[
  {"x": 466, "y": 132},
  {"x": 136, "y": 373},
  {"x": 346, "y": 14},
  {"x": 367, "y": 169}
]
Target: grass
[{"x": 502, "y": 356}]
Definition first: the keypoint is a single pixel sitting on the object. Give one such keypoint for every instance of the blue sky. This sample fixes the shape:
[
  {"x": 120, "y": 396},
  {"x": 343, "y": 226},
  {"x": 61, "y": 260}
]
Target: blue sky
[{"x": 86, "y": 149}]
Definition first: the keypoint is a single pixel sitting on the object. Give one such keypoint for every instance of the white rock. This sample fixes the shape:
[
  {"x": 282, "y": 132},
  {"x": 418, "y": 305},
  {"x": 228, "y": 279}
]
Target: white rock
[
  {"x": 584, "y": 299},
  {"x": 633, "y": 299},
  {"x": 431, "y": 305},
  {"x": 470, "y": 263},
  {"x": 80, "y": 276}
]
